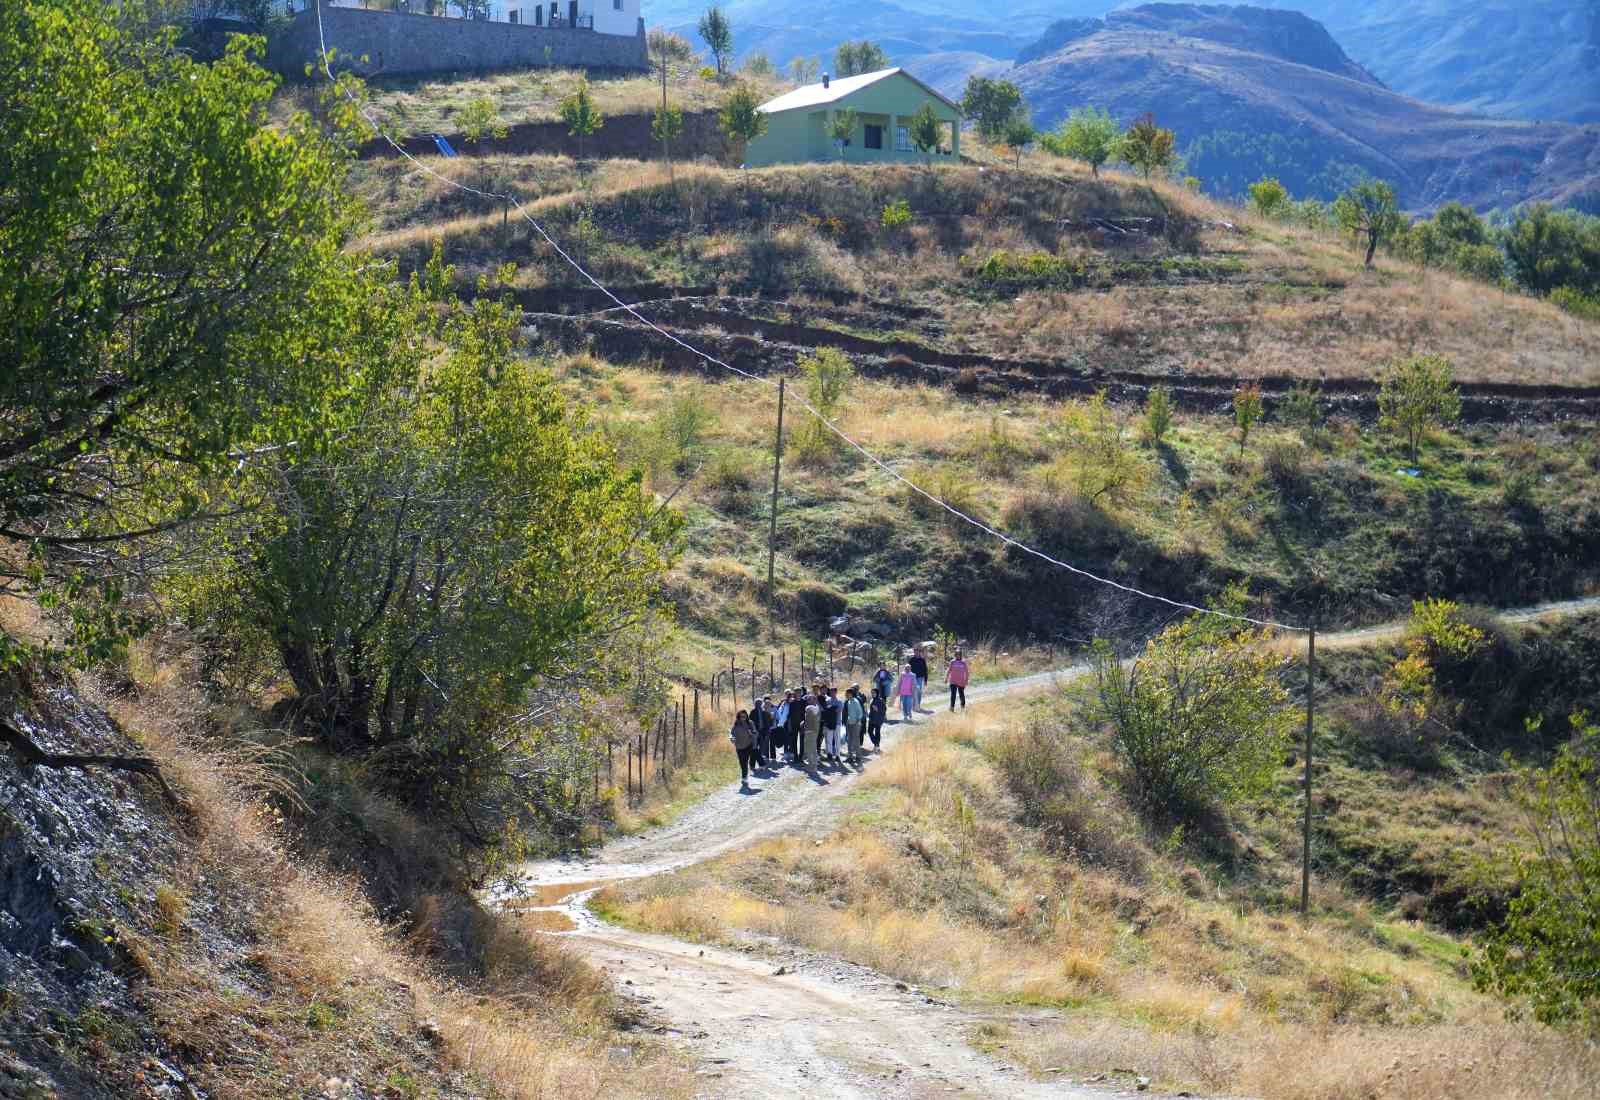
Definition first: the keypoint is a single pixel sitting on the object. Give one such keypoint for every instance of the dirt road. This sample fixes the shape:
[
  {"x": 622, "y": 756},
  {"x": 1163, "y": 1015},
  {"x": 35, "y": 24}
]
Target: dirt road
[{"x": 822, "y": 1027}]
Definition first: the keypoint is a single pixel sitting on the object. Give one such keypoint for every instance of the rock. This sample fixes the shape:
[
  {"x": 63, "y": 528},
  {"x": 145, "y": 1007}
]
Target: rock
[
  {"x": 780, "y": 972},
  {"x": 430, "y": 1030},
  {"x": 1141, "y": 1083},
  {"x": 902, "y": 986}
]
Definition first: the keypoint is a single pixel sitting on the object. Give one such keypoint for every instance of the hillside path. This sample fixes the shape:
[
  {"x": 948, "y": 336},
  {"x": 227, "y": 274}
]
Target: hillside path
[{"x": 814, "y": 1026}]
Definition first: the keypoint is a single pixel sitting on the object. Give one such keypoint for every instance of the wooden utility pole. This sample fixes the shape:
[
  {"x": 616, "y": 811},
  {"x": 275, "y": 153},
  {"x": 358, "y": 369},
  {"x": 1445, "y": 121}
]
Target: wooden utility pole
[
  {"x": 772, "y": 530},
  {"x": 1311, "y": 697}
]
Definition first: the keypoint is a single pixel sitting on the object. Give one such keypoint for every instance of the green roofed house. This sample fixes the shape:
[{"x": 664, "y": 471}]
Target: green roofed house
[{"x": 884, "y": 102}]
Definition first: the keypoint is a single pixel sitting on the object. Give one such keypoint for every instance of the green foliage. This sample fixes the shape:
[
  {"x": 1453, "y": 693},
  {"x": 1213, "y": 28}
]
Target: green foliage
[
  {"x": 804, "y": 70},
  {"x": 842, "y": 128},
  {"x": 1105, "y": 467},
  {"x": 758, "y": 65},
  {"x": 1018, "y": 136},
  {"x": 1157, "y": 414},
  {"x": 927, "y": 131},
  {"x": 1269, "y": 197},
  {"x": 1004, "y": 268},
  {"x": 155, "y": 233},
  {"x": 1417, "y": 394},
  {"x": 1369, "y": 210},
  {"x": 990, "y": 104},
  {"x": 1228, "y": 160},
  {"x": 739, "y": 117},
  {"x": 666, "y": 126},
  {"x": 895, "y": 215},
  {"x": 1455, "y": 239},
  {"x": 479, "y": 118},
  {"x": 1551, "y": 248},
  {"x": 681, "y": 426},
  {"x": 857, "y": 58},
  {"x": 998, "y": 452},
  {"x": 717, "y": 31},
  {"x": 1148, "y": 147},
  {"x": 1576, "y": 303},
  {"x": 1547, "y": 953},
  {"x": 1312, "y": 213},
  {"x": 827, "y": 374},
  {"x": 1200, "y": 718},
  {"x": 580, "y": 114},
  {"x": 1088, "y": 134},
  {"x": 668, "y": 51},
  {"x": 1247, "y": 409},
  {"x": 1303, "y": 409}
]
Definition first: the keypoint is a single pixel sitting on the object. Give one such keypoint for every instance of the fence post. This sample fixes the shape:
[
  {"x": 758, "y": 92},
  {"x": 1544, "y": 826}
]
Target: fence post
[
  {"x": 1311, "y": 692},
  {"x": 696, "y": 717}
]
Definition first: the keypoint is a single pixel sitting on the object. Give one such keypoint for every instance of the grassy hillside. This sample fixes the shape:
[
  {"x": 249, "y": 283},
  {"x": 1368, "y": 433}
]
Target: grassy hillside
[{"x": 998, "y": 859}]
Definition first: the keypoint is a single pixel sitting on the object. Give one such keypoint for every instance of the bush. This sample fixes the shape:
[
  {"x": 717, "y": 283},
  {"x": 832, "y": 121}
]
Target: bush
[
  {"x": 1418, "y": 394},
  {"x": 1269, "y": 197},
  {"x": 1103, "y": 466},
  {"x": 1200, "y": 718},
  {"x": 681, "y": 426},
  {"x": 1157, "y": 414},
  {"x": 948, "y": 481},
  {"x": 998, "y": 452},
  {"x": 732, "y": 475},
  {"x": 1575, "y": 303},
  {"x": 896, "y": 215}
]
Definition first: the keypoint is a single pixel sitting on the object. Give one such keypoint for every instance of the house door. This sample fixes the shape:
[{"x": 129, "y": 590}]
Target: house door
[
  {"x": 572, "y": 12},
  {"x": 873, "y": 138}
]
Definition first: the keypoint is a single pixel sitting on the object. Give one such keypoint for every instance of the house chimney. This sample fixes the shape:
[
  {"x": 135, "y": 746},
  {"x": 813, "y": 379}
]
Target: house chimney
[{"x": 824, "y": 80}]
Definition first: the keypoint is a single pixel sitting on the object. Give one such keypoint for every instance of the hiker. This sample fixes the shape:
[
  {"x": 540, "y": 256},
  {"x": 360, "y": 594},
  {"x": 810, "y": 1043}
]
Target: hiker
[
  {"x": 797, "y": 721},
  {"x": 877, "y": 711},
  {"x": 813, "y": 726},
  {"x": 761, "y": 717},
  {"x": 743, "y": 736},
  {"x": 780, "y": 725},
  {"x": 919, "y": 669},
  {"x": 830, "y": 726},
  {"x": 907, "y": 691},
  {"x": 854, "y": 716},
  {"x": 883, "y": 680},
  {"x": 956, "y": 675}
]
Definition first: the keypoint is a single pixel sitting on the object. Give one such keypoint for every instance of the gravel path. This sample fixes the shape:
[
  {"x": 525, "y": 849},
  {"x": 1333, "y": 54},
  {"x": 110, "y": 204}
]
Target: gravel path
[{"x": 821, "y": 1027}]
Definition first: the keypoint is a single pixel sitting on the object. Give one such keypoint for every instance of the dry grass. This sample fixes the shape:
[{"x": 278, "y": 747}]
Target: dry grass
[
  {"x": 937, "y": 884},
  {"x": 329, "y": 992}
]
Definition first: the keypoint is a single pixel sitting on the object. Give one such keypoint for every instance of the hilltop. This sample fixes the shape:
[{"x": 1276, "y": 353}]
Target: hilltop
[{"x": 1250, "y": 91}]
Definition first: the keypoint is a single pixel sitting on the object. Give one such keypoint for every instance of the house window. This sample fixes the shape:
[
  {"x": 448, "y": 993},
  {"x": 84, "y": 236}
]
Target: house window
[
  {"x": 874, "y": 137},
  {"x": 616, "y": 5},
  {"x": 902, "y": 139}
]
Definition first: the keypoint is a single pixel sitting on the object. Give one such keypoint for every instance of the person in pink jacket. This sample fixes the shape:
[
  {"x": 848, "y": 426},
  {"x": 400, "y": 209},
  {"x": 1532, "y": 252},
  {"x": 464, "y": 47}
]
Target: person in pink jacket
[
  {"x": 907, "y": 689},
  {"x": 955, "y": 674}
]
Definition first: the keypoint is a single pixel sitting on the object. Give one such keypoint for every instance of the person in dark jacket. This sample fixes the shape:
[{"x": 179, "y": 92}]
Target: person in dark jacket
[
  {"x": 743, "y": 736},
  {"x": 761, "y": 719},
  {"x": 919, "y": 669},
  {"x": 883, "y": 680},
  {"x": 877, "y": 711},
  {"x": 797, "y": 721}
]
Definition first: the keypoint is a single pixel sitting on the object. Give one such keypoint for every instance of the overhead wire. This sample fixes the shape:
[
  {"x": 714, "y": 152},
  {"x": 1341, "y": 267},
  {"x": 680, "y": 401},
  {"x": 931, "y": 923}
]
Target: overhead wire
[{"x": 516, "y": 204}]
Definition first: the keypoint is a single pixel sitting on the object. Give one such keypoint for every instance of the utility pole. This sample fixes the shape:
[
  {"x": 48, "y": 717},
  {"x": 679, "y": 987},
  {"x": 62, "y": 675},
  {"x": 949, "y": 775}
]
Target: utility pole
[
  {"x": 772, "y": 531},
  {"x": 1311, "y": 697}
]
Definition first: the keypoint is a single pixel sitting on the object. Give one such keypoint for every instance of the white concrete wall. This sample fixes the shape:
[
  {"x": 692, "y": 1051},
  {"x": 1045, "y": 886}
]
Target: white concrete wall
[{"x": 613, "y": 16}]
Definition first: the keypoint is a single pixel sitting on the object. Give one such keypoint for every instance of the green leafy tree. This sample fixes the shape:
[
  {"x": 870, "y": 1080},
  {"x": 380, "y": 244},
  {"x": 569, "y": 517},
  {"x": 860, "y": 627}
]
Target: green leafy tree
[
  {"x": 1369, "y": 211},
  {"x": 827, "y": 374},
  {"x": 1018, "y": 136},
  {"x": 1247, "y": 409},
  {"x": 758, "y": 65},
  {"x": 741, "y": 118},
  {"x": 990, "y": 104},
  {"x": 480, "y": 118},
  {"x": 1546, "y": 955},
  {"x": 669, "y": 52},
  {"x": 1105, "y": 468},
  {"x": 1417, "y": 394},
  {"x": 718, "y": 34},
  {"x": 579, "y": 112},
  {"x": 1157, "y": 414},
  {"x": 1551, "y": 248},
  {"x": 927, "y": 132},
  {"x": 155, "y": 234},
  {"x": 1088, "y": 134},
  {"x": 857, "y": 58},
  {"x": 842, "y": 129},
  {"x": 1149, "y": 147},
  {"x": 666, "y": 126},
  {"x": 1200, "y": 718},
  {"x": 1269, "y": 197}
]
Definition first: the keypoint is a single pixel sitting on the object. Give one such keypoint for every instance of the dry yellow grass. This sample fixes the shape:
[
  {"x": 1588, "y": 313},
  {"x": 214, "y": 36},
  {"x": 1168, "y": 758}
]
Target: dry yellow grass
[{"x": 1160, "y": 972}]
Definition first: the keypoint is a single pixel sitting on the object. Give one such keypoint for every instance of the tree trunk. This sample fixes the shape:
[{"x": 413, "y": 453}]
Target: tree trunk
[{"x": 1372, "y": 245}]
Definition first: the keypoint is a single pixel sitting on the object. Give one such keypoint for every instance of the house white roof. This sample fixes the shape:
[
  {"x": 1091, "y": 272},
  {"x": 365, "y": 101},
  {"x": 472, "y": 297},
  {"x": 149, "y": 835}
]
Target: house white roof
[{"x": 818, "y": 95}]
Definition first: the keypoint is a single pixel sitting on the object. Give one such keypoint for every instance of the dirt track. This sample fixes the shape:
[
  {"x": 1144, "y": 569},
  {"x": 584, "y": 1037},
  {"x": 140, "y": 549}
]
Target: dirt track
[{"x": 823, "y": 1027}]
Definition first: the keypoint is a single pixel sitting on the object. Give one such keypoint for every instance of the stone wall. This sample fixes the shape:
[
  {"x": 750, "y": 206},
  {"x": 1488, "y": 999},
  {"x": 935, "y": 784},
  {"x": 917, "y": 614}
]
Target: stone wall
[{"x": 396, "y": 42}]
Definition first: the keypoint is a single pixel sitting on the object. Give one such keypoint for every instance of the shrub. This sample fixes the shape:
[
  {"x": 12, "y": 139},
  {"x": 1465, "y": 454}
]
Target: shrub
[
  {"x": 1575, "y": 303},
  {"x": 1157, "y": 414},
  {"x": 1303, "y": 409},
  {"x": 1013, "y": 269},
  {"x": 681, "y": 426},
  {"x": 998, "y": 451},
  {"x": 1247, "y": 409},
  {"x": 1417, "y": 394},
  {"x": 1547, "y": 953},
  {"x": 1105, "y": 466},
  {"x": 732, "y": 475},
  {"x": 896, "y": 215},
  {"x": 948, "y": 481},
  {"x": 1200, "y": 718},
  {"x": 1269, "y": 197},
  {"x": 827, "y": 374}
]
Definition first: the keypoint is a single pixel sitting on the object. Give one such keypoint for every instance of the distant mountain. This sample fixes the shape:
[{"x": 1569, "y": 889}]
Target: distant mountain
[
  {"x": 1536, "y": 59},
  {"x": 1252, "y": 91}
]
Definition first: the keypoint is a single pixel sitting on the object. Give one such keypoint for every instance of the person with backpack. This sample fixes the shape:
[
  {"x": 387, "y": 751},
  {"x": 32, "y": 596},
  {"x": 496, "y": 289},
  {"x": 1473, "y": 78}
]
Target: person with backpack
[
  {"x": 908, "y": 692},
  {"x": 877, "y": 711},
  {"x": 830, "y": 726},
  {"x": 743, "y": 736},
  {"x": 883, "y": 680},
  {"x": 919, "y": 669},
  {"x": 855, "y": 716},
  {"x": 956, "y": 675}
]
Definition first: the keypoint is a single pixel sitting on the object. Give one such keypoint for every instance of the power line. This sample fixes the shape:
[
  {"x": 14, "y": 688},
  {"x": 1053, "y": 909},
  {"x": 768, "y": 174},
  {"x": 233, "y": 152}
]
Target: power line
[{"x": 522, "y": 213}]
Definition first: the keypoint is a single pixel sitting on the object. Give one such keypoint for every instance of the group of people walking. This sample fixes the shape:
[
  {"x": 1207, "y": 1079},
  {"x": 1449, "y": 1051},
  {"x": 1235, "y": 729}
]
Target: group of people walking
[{"x": 814, "y": 726}]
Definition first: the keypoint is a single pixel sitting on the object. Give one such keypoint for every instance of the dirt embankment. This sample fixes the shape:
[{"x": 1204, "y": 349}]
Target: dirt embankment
[
  {"x": 622, "y": 136},
  {"x": 742, "y": 333}
]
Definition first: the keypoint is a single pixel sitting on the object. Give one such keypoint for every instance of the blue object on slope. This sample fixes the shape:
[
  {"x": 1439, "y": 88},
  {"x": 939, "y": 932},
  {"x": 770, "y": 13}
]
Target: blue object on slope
[{"x": 444, "y": 146}]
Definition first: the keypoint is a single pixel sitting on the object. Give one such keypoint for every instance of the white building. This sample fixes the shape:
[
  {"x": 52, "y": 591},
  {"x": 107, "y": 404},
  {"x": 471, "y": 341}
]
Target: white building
[{"x": 605, "y": 16}]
